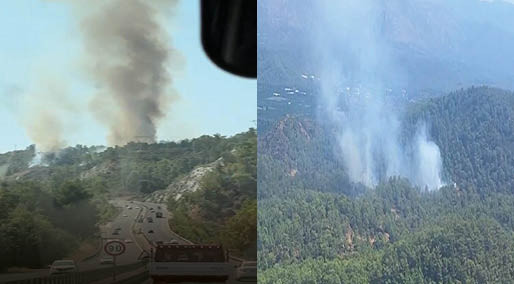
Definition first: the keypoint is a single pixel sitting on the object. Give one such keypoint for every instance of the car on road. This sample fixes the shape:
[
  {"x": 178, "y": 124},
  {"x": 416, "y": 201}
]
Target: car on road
[
  {"x": 107, "y": 259},
  {"x": 62, "y": 266},
  {"x": 247, "y": 271},
  {"x": 125, "y": 215},
  {"x": 150, "y": 231},
  {"x": 173, "y": 242},
  {"x": 136, "y": 207},
  {"x": 116, "y": 232},
  {"x": 150, "y": 220},
  {"x": 128, "y": 241}
]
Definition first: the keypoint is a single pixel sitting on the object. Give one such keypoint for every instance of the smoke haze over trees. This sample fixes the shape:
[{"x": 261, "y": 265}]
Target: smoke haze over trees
[
  {"x": 40, "y": 205},
  {"x": 363, "y": 106}
]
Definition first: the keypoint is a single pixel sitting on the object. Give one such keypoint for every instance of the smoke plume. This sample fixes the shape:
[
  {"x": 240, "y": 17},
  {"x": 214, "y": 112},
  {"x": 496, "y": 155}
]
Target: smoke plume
[
  {"x": 428, "y": 161},
  {"x": 356, "y": 67},
  {"x": 127, "y": 52},
  {"x": 46, "y": 111}
]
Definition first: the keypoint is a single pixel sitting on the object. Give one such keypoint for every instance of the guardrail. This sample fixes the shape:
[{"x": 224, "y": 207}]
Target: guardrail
[
  {"x": 236, "y": 259},
  {"x": 96, "y": 253},
  {"x": 136, "y": 279},
  {"x": 85, "y": 277},
  {"x": 100, "y": 241}
]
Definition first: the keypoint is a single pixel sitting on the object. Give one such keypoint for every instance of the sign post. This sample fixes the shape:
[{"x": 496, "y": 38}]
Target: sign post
[{"x": 114, "y": 248}]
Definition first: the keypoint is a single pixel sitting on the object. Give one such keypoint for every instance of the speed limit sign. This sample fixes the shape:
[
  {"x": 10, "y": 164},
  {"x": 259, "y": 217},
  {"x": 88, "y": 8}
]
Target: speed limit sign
[{"x": 114, "y": 248}]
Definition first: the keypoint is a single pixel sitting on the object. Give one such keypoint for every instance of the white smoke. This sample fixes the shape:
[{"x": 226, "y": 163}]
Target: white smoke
[
  {"x": 428, "y": 161},
  {"x": 38, "y": 159},
  {"x": 368, "y": 134},
  {"x": 353, "y": 51}
]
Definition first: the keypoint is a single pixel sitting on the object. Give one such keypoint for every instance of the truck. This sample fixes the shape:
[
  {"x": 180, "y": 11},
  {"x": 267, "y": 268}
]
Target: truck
[{"x": 174, "y": 263}]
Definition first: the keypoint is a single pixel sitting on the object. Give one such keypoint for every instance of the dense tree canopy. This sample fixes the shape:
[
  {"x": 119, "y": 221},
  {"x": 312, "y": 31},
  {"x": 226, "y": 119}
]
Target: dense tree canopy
[
  {"x": 317, "y": 227},
  {"x": 42, "y": 195},
  {"x": 224, "y": 209}
]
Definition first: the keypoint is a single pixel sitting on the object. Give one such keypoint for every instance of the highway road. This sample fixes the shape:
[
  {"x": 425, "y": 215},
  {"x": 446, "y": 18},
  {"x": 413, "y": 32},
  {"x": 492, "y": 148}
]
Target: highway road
[
  {"x": 135, "y": 235},
  {"x": 125, "y": 222},
  {"x": 161, "y": 229},
  {"x": 159, "y": 226}
]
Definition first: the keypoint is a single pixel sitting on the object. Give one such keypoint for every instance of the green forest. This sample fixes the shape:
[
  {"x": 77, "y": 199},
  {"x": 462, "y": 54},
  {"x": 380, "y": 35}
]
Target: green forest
[
  {"x": 224, "y": 209},
  {"x": 320, "y": 228},
  {"x": 38, "y": 220},
  {"x": 40, "y": 202}
]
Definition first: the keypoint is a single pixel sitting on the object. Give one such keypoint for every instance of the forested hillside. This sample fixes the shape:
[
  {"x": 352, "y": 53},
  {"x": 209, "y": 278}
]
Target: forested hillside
[
  {"x": 320, "y": 228},
  {"x": 474, "y": 129},
  {"x": 298, "y": 152},
  {"x": 42, "y": 195},
  {"x": 224, "y": 208},
  {"x": 38, "y": 220}
]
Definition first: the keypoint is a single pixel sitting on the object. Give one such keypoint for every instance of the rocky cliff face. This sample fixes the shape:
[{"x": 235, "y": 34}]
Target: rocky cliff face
[{"x": 188, "y": 183}]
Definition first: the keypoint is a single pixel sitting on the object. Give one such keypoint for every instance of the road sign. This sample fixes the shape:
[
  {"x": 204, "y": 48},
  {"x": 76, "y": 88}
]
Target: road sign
[{"x": 114, "y": 248}]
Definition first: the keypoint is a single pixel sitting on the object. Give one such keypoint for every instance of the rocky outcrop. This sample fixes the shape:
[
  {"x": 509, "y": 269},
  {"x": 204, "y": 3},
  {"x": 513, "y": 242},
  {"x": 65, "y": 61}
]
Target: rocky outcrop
[{"x": 189, "y": 183}]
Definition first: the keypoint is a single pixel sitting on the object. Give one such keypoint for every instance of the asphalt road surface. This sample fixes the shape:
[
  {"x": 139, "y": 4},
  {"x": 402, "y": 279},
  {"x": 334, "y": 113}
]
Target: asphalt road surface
[
  {"x": 136, "y": 237},
  {"x": 161, "y": 229},
  {"x": 125, "y": 222}
]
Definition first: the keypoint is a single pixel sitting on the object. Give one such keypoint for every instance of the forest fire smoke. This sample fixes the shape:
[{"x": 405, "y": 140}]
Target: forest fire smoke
[
  {"x": 127, "y": 51},
  {"x": 354, "y": 52}
]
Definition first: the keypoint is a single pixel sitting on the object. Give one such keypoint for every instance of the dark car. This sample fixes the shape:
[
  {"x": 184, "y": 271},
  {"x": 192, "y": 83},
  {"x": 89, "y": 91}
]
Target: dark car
[{"x": 150, "y": 231}]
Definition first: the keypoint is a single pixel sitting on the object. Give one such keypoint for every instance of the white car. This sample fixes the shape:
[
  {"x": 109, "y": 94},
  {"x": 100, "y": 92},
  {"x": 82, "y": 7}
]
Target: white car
[
  {"x": 107, "y": 259},
  {"x": 247, "y": 271},
  {"x": 63, "y": 266},
  {"x": 128, "y": 241}
]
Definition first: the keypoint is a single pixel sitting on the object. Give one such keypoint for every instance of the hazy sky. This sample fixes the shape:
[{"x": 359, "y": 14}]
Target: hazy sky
[{"x": 40, "y": 52}]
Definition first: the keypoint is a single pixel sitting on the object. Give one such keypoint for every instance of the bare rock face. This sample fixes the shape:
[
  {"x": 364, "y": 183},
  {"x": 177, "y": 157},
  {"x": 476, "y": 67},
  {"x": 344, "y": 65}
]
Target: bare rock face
[
  {"x": 188, "y": 183},
  {"x": 101, "y": 169}
]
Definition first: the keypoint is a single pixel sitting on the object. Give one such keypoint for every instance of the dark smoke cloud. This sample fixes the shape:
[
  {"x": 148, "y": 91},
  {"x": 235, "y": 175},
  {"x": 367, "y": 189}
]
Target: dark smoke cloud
[{"x": 127, "y": 52}]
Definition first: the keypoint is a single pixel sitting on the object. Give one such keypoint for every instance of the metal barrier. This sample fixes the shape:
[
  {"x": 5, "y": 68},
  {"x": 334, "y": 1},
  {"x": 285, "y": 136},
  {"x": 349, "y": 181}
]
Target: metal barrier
[
  {"x": 97, "y": 252},
  {"x": 136, "y": 279},
  {"x": 85, "y": 277}
]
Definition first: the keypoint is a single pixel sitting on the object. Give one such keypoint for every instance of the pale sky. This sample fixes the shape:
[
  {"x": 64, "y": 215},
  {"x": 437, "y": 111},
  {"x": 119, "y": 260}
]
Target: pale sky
[{"x": 39, "y": 42}]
